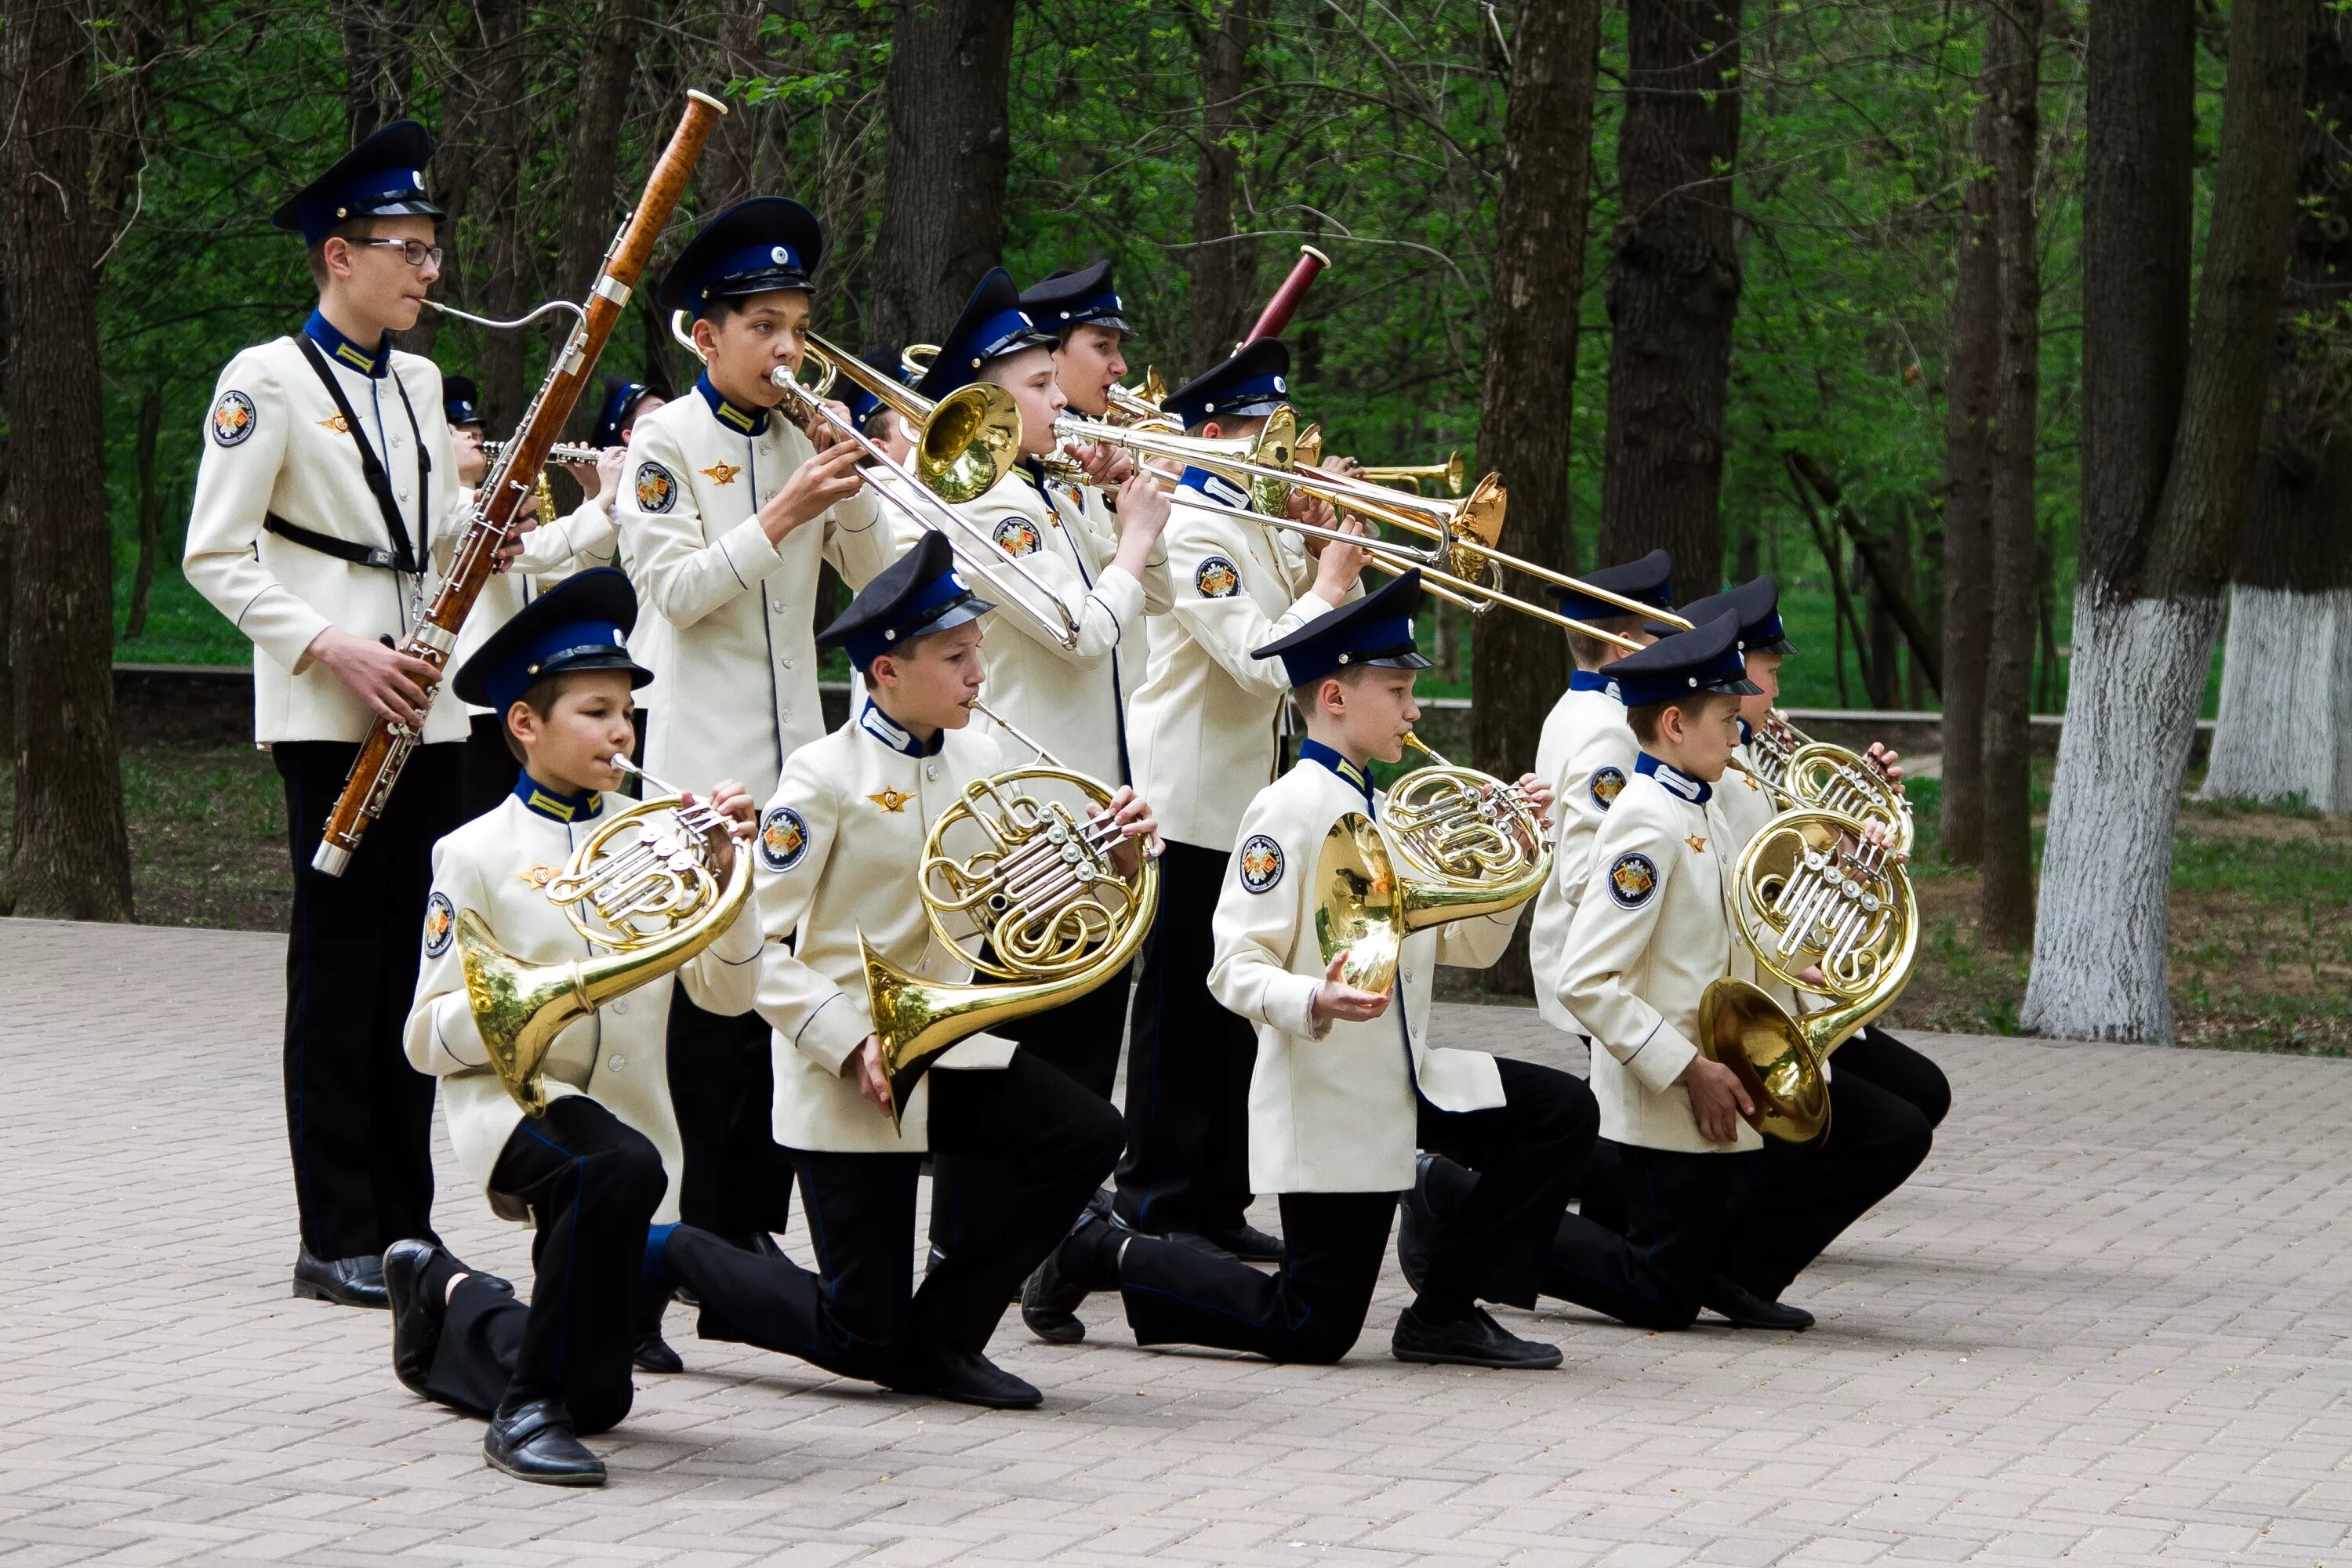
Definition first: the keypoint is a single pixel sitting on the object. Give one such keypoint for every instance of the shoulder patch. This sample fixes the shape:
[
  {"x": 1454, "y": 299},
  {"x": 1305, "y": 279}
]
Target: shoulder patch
[
  {"x": 1218, "y": 578},
  {"x": 1607, "y": 783},
  {"x": 656, "y": 487},
  {"x": 234, "y": 418},
  {"x": 783, "y": 838},
  {"x": 440, "y": 922},
  {"x": 1261, "y": 859},
  {"x": 1633, "y": 878},
  {"x": 1018, "y": 536}
]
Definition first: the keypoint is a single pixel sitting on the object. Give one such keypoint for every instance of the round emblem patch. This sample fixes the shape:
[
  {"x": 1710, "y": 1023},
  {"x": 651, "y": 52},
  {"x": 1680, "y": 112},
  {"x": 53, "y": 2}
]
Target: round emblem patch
[
  {"x": 1261, "y": 863},
  {"x": 1217, "y": 578},
  {"x": 1018, "y": 535},
  {"x": 232, "y": 418},
  {"x": 656, "y": 487},
  {"x": 440, "y": 920},
  {"x": 1607, "y": 783},
  {"x": 1633, "y": 878},
  {"x": 783, "y": 838}
]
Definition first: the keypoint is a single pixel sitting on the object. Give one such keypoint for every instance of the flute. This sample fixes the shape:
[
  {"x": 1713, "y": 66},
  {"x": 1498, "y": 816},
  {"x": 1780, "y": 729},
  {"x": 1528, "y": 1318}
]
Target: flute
[{"x": 560, "y": 452}]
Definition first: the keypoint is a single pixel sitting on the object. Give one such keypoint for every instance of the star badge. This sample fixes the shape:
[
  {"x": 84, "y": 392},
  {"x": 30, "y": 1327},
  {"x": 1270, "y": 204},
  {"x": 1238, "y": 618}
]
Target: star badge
[
  {"x": 336, "y": 423},
  {"x": 890, "y": 799},
  {"x": 1698, "y": 845},
  {"x": 722, "y": 473},
  {"x": 1750, "y": 780},
  {"x": 538, "y": 876}
]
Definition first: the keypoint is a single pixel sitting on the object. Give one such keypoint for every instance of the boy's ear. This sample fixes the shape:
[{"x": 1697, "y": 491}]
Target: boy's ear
[
  {"x": 883, "y": 669},
  {"x": 705, "y": 335},
  {"x": 522, "y": 724}
]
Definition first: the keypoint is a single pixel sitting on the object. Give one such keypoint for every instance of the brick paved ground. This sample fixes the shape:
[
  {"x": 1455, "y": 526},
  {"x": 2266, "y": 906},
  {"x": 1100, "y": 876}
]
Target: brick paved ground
[{"x": 2107, "y": 1323}]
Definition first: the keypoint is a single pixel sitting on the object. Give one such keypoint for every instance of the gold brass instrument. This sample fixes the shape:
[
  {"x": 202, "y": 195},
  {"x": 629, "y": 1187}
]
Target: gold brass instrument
[
  {"x": 1050, "y": 914},
  {"x": 644, "y": 887},
  {"x": 963, "y": 444},
  {"x": 1831, "y": 777},
  {"x": 1136, "y": 405},
  {"x": 1450, "y": 473},
  {"x": 1452, "y": 844},
  {"x": 1811, "y": 891}
]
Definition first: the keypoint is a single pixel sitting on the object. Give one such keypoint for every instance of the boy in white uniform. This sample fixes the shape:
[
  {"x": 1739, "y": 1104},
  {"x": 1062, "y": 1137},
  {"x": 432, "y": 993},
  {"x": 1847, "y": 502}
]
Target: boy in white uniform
[
  {"x": 727, "y": 511},
  {"x": 1344, "y": 1092}
]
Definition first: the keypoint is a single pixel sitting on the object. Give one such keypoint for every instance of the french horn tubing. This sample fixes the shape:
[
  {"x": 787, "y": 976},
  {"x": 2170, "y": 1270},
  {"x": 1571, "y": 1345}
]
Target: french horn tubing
[
  {"x": 644, "y": 887},
  {"x": 1832, "y": 777}
]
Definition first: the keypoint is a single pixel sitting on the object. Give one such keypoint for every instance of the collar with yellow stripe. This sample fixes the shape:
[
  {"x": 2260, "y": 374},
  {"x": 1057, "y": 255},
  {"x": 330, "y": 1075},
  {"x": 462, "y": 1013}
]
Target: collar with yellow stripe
[
  {"x": 1317, "y": 752},
  {"x": 372, "y": 363},
  {"x": 735, "y": 417},
  {"x": 539, "y": 800}
]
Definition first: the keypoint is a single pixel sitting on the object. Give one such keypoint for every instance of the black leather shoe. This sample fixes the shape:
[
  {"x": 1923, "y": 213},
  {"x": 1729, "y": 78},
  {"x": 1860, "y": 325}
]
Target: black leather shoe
[
  {"x": 1198, "y": 1243},
  {"x": 417, "y": 1311},
  {"x": 1246, "y": 1242},
  {"x": 345, "y": 1282},
  {"x": 1051, "y": 1296},
  {"x": 534, "y": 1442},
  {"x": 654, "y": 1354},
  {"x": 942, "y": 1372},
  {"x": 1746, "y": 1309},
  {"x": 1474, "y": 1341},
  {"x": 504, "y": 1287},
  {"x": 1438, "y": 1187}
]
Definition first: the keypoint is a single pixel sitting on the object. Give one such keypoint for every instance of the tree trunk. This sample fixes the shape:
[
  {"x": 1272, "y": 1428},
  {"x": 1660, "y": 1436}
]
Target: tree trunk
[
  {"x": 2286, "y": 666},
  {"x": 1674, "y": 287},
  {"x": 1223, "y": 268},
  {"x": 1517, "y": 665},
  {"x": 2148, "y": 604},
  {"x": 590, "y": 213},
  {"x": 492, "y": 67},
  {"x": 1968, "y": 499},
  {"x": 72, "y": 853},
  {"x": 150, "y": 511},
  {"x": 376, "y": 63},
  {"x": 2012, "y": 81},
  {"x": 945, "y": 107},
  {"x": 724, "y": 175}
]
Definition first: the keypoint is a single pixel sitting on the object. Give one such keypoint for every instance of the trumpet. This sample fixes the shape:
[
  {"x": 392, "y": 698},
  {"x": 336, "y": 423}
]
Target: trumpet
[
  {"x": 644, "y": 887},
  {"x": 963, "y": 444},
  {"x": 1830, "y": 777},
  {"x": 560, "y": 452},
  {"x": 1449, "y": 471},
  {"x": 1811, "y": 890},
  {"x": 1025, "y": 892}
]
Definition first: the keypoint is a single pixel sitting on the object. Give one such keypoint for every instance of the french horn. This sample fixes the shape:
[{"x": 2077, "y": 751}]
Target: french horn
[
  {"x": 1810, "y": 892},
  {"x": 1452, "y": 844},
  {"x": 1833, "y": 777},
  {"x": 644, "y": 887},
  {"x": 1026, "y": 891}
]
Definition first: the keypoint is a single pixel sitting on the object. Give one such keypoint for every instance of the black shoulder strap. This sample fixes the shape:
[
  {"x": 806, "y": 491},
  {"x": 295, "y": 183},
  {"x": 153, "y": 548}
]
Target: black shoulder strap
[{"x": 403, "y": 555}]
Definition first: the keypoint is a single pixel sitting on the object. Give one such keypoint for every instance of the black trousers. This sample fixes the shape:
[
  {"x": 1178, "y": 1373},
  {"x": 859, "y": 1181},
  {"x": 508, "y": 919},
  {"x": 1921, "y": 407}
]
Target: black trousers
[
  {"x": 1902, "y": 1071},
  {"x": 735, "y": 1179},
  {"x": 1527, "y": 1153},
  {"x": 593, "y": 1182},
  {"x": 761, "y": 1299},
  {"x": 1676, "y": 1212},
  {"x": 1796, "y": 1201},
  {"x": 1188, "y": 1067},
  {"x": 1081, "y": 1038},
  {"x": 359, "y": 1119},
  {"x": 1016, "y": 1152}
]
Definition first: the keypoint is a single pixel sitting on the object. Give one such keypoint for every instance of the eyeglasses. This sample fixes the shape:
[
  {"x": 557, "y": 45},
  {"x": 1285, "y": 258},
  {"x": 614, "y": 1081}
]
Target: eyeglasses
[{"x": 416, "y": 252}]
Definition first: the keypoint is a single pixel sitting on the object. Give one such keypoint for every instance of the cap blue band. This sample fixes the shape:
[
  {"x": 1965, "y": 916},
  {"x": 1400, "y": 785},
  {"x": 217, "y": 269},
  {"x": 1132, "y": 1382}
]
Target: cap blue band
[
  {"x": 1365, "y": 641},
  {"x": 549, "y": 654},
  {"x": 1640, "y": 688},
  {"x": 936, "y": 597},
  {"x": 748, "y": 262},
  {"x": 1240, "y": 400}
]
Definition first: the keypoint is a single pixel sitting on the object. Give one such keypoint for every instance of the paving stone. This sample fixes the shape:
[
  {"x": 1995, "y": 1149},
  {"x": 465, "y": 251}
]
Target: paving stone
[{"x": 2104, "y": 1323}]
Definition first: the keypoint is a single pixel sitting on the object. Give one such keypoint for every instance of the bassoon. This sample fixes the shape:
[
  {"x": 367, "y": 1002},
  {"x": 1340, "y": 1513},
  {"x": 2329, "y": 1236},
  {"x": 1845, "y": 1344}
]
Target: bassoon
[
  {"x": 1279, "y": 309},
  {"x": 506, "y": 498}
]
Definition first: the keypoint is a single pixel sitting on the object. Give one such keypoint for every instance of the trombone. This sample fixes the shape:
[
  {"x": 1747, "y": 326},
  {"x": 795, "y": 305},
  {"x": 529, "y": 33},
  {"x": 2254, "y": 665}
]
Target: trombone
[
  {"x": 1136, "y": 405},
  {"x": 1450, "y": 471},
  {"x": 963, "y": 444}
]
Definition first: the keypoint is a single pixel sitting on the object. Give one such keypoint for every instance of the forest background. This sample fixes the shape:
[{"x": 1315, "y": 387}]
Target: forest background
[{"x": 1760, "y": 292}]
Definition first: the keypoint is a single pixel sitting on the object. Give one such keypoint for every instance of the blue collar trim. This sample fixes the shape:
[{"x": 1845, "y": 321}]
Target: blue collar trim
[
  {"x": 375, "y": 362},
  {"x": 1747, "y": 731},
  {"x": 889, "y": 730},
  {"x": 554, "y": 805},
  {"x": 1675, "y": 780},
  {"x": 742, "y": 421},
  {"x": 1223, "y": 491},
  {"x": 1317, "y": 752},
  {"x": 1593, "y": 680}
]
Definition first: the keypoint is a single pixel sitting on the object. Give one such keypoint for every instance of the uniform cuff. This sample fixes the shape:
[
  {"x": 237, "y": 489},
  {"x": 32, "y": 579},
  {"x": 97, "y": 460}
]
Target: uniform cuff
[
  {"x": 749, "y": 551},
  {"x": 1122, "y": 594},
  {"x": 832, "y": 1034},
  {"x": 1660, "y": 1060},
  {"x": 1290, "y": 1007},
  {"x": 291, "y": 645}
]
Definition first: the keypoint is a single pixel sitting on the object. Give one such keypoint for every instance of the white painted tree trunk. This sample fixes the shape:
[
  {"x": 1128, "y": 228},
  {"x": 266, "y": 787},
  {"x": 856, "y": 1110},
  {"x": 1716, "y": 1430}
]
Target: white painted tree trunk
[
  {"x": 2099, "y": 945},
  {"x": 2286, "y": 699}
]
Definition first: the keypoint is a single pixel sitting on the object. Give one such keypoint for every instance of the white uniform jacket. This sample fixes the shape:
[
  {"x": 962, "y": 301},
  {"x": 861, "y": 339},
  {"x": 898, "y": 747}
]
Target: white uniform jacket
[
  {"x": 727, "y": 625},
  {"x": 1204, "y": 733},
  {"x": 1087, "y": 511},
  {"x": 550, "y": 552},
  {"x": 498, "y": 866},
  {"x": 1066, "y": 698},
  {"x": 275, "y": 444},
  {"x": 1652, "y": 933},
  {"x": 839, "y": 848},
  {"x": 1586, "y": 752},
  {"x": 1333, "y": 1110}
]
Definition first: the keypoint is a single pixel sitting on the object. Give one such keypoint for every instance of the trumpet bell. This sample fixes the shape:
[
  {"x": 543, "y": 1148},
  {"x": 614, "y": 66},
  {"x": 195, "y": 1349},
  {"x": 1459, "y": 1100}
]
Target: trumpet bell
[
  {"x": 972, "y": 436},
  {"x": 1771, "y": 1056}
]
